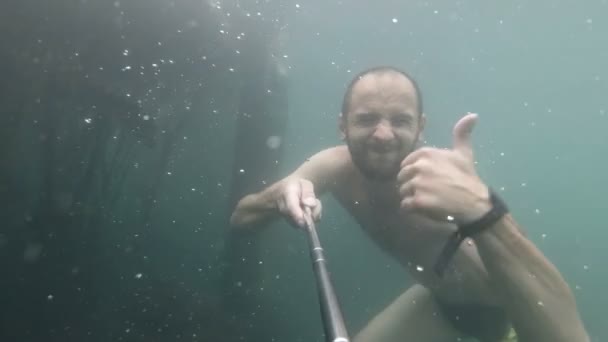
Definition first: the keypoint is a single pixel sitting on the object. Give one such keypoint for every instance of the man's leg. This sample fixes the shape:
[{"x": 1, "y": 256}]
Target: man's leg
[{"x": 413, "y": 316}]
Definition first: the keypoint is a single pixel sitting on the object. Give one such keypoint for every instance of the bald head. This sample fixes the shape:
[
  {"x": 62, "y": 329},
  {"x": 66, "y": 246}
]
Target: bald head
[
  {"x": 381, "y": 121},
  {"x": 382, "y": 82}
]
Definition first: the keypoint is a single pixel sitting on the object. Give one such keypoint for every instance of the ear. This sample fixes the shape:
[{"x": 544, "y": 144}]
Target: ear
[
  {"x": 342, "y": 126},
  {"x": 422, "y": 122},
  {"x": 421, "y": 125}
]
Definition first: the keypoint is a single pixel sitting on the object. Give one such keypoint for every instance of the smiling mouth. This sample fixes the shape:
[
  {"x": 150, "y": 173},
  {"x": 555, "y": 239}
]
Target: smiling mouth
[{"x": 382, "y": 149}]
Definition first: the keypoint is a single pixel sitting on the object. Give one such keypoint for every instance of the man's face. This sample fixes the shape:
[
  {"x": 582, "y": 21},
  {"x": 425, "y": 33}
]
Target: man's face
[{"x": 383, "y": 124}]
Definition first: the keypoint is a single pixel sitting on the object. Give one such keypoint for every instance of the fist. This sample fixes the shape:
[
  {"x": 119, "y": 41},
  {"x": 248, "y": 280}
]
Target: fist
[
  {"x": 298, "y": 197},
  {"x": 442, "y": 183}
]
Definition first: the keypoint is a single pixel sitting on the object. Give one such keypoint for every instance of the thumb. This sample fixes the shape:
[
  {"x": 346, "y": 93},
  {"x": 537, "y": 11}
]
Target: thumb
[{"x": 462, "y": 134}]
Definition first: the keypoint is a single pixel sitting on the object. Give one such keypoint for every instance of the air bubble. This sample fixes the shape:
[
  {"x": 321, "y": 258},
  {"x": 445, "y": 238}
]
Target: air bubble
[{"x": 273, "y": 142}]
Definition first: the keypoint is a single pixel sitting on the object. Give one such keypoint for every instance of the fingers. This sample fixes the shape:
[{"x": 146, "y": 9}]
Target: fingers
[
  {"x": 407, "y": 189},
  {"x": 290, "y": 206},
  {"x": 462, "y": 134},
  {"x": 421, "y": 154},
  {"x": 307, "y": 193},
  {"x": 422, "y": 166},
  {"x": 407, "y": 173},
  {"x": 309, "y": 199},
  {"x": 316, "y": 211},
  {"x": 298, "y": 196},
  {"x": 414, "y": 156},
  {"x": 425, "y": 203},
  {"x": 413, "y": 184}
]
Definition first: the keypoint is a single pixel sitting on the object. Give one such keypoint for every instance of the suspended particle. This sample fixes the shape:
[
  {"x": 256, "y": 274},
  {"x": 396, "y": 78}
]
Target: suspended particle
[{"x": 273, "y": 142}]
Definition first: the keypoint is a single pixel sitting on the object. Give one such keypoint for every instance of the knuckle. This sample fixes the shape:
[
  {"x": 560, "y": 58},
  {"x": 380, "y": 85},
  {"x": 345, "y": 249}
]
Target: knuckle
[
  {"x": 307, "y": 187},
  {"x": 459, "y": 158},
  {"x": 403, "y": 189},
  {"x": 401, "y": 174},
  {"x": 421, "y": 164},
  {"x": 415, "y": 182},
  {"x": 416, "y": 202},
  {"x": 290, "y": 187},
  {"x": 306, "y": 183},
  {"x": 425, "y": 151},
  {"x": 288, "y": 197},
  {"x": 310, "y": 186}
]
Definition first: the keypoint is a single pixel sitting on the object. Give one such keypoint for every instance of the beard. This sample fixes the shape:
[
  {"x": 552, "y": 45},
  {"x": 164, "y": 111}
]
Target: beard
[{"x": 378, "y": 163}]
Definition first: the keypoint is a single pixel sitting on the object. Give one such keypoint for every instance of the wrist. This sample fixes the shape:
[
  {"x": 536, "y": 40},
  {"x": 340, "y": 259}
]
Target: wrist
[
  {"x": 487, "y": 219},
  {"x": 494, "y": 212},
  {"x": 502, "y": 229},
  {"x": 480, "y": 206}
]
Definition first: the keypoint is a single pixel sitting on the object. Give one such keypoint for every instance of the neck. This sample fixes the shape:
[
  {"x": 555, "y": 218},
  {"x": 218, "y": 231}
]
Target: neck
[{"x": 382, "y": 192}]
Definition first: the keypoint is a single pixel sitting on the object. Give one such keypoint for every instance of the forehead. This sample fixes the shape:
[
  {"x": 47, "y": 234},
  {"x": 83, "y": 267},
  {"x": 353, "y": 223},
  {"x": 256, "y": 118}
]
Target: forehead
[{"x": 384, "y": 91}]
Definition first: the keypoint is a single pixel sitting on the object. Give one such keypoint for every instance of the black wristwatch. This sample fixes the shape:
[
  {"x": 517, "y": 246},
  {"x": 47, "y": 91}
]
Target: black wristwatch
[{"x": 497, "y": 211}]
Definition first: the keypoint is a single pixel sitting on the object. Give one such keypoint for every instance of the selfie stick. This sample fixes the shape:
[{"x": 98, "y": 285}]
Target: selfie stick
[{"x": 333, "y": 322}]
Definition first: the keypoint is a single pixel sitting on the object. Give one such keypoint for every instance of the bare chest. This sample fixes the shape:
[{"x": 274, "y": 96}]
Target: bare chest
[
  {"x": 410, "y": 238},
  {"x": 416, "y": 242}
]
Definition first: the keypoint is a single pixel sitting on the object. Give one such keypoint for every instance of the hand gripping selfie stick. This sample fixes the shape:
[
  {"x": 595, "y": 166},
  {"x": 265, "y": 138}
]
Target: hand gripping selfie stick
[{"x": 333, "y": 322}]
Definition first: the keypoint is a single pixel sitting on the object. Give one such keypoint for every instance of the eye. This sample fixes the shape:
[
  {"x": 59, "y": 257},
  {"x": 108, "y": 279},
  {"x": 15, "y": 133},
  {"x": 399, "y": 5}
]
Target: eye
[
  {"x": 401, "y": 120},
  {"x": 367, "y": 119}
]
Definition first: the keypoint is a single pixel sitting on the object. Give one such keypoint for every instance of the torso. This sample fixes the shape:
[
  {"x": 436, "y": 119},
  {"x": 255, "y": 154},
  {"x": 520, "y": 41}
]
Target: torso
[{"x": 413, "y": 240}]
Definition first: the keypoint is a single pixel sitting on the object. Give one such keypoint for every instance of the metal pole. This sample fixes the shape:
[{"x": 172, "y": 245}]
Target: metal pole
[{"x": 333, "y": 322}]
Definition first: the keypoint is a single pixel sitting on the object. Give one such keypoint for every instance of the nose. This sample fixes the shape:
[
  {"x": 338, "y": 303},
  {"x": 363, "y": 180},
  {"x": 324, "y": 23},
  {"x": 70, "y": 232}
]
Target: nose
[{"x": 383, "y": 131}]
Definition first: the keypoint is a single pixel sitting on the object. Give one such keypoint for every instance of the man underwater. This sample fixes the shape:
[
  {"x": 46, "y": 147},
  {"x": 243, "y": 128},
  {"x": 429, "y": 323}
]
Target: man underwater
[{"x": 477, "y": 274}]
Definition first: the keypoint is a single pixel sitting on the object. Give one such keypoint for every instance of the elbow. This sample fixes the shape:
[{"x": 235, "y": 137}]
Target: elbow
[
  {"x": 236, "y": 220},
  {"x": 240, "y": 220},
  {"x": 246, "y": 216},
  {"x": 245, "y": 222}
]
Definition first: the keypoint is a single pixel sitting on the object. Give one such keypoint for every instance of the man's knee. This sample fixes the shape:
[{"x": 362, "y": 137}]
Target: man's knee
[{"x": 414, "y": 315}]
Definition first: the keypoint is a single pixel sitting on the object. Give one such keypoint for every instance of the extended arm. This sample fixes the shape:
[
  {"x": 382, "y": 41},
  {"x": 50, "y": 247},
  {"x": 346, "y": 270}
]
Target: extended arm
[
  {"x": 286, "y": 197},
  {"x": 536, "y": 297}
]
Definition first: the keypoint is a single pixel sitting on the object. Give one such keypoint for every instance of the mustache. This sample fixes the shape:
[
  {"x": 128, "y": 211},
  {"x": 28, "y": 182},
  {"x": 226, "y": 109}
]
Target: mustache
[{"x": 384, "y": 147}]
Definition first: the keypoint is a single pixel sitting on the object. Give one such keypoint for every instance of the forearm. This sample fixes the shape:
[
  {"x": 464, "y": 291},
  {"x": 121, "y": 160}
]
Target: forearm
[
  {"x": 256, "y": 210},
  {"x": 535, "y": 295}
]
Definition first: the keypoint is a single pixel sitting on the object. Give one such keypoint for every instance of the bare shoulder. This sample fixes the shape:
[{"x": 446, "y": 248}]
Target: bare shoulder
[
  {"x": 332, "y": 157},
  {"x": 325, "y": 167}
]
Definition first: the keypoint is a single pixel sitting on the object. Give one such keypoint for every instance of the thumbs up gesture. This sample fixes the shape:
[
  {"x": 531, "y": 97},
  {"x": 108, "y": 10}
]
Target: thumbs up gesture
[{"x": 442, "y": 183}]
